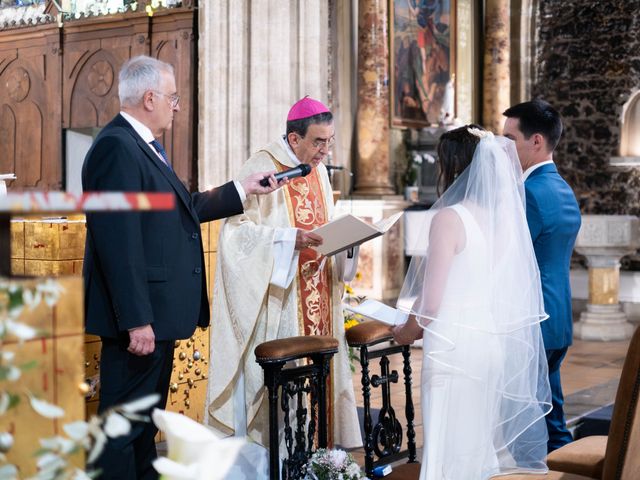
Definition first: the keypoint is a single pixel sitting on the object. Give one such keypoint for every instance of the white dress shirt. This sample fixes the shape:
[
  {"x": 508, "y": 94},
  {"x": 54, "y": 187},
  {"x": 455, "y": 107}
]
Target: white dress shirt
[
  {"x": 530, "y": 170},
  {"x": 146, "y": 135}
]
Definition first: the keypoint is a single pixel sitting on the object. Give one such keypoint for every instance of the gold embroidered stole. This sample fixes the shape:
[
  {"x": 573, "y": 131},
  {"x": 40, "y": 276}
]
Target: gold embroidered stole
[{"x": 308, "y": 210}]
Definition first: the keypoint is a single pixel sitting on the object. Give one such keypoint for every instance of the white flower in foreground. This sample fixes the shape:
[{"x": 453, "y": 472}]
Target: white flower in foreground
[
  {"x": 5, "y": 400},
  {"x": 196, "y": 452},
  {"x": 58, "y": 444},
  {"x": 6, "y": 442},
  {"x": 7, "y": 355},
  {"x": 98, "y": 445},
  {"x": 14, "y": 373},
  {"x": 76, "y": 430},
  {"x": 51, "y": 291},
  {"x": 31, "y": 298},
  {"x": 116, "y": 425},
  {"x": 337, "y": 458},
  {"x": 80, "y": 475},
  {"x": 20, "y": 330},
  {"x": 353, "y": 470},
  {"x": 50, "y": 462},
  {"x": 45, "y": 408},
  {"x": 8, "y": 472},
  {"x": 143, "y": 403}
]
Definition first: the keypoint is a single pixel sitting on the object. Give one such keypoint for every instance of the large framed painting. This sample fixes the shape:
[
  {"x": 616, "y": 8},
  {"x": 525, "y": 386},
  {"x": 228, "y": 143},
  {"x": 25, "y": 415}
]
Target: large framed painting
[{"x": 422, "y": 36}]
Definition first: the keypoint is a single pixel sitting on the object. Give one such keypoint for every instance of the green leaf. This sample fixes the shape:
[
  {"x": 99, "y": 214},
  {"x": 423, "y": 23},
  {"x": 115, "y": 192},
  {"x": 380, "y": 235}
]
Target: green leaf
[
  {"x": 15, "y": 298},
  {"x": 25, "y": 367},
  {"x": 14, "y": 400}
]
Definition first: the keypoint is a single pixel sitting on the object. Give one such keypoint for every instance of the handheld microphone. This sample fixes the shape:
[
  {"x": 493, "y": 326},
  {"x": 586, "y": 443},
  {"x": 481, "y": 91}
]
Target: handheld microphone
[
  {"x": 333, "y": 167},
  {"x": 301, "y": 170}
]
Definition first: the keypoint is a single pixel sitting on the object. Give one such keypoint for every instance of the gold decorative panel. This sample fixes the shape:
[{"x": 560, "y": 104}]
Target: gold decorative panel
[
  {"x": 191, "y": 358},
  {"x": 57, "y": 377},
  {"x": 189, "y": 400},
  {"x": 604, "y": 285},
  {"x": 43, "y": 247}
]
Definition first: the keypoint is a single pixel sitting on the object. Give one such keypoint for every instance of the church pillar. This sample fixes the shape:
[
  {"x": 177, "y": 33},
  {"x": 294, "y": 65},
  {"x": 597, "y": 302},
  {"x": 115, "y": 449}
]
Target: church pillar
[
  {"x": 372, "y": 123},
  {"x": 604, "y": 240},
  {"x": 496, "y": 82},
  {"x": 256, "y": 59}
]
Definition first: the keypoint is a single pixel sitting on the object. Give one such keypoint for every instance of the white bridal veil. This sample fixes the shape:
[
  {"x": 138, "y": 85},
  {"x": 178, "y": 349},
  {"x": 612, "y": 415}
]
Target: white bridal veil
[{"x": 480, "y": 313}]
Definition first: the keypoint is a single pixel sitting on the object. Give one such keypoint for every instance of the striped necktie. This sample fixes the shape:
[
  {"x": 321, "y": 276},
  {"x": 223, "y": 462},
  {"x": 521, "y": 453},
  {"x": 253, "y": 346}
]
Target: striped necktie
[{"x": 158, "y": 147}]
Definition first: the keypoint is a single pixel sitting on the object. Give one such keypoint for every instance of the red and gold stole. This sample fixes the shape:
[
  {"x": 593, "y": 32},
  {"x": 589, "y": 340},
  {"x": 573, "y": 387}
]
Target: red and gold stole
[{"x": 308, "y": 210}]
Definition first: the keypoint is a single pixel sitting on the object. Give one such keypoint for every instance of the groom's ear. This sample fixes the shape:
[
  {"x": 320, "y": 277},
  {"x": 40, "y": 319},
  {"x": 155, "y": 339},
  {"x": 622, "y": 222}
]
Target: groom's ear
[{"x": 539, "y": 142}]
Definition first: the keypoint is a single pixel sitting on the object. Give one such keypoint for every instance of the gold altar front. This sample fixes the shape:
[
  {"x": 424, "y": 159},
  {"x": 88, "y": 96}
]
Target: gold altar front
[
  {"x": 55, "y": 247},
  {"x": 57, "y": 376}
]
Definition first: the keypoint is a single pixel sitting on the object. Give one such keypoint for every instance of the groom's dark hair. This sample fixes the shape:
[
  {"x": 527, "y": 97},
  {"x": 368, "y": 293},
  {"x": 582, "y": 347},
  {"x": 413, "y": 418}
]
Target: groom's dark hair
[
  {"x": 537, "y": 116},
  {"x": 455, "y": 152}
]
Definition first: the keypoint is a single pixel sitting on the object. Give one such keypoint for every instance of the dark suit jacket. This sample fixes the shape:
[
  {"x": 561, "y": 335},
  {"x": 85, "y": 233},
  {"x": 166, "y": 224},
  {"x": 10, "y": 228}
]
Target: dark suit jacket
[
  {"x": 554, "y": 220},
  {"x": 145, "y": 267}
]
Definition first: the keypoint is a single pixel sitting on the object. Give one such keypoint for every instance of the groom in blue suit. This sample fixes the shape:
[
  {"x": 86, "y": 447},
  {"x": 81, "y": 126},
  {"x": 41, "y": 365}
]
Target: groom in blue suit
[{"x": 553, "y": 216}]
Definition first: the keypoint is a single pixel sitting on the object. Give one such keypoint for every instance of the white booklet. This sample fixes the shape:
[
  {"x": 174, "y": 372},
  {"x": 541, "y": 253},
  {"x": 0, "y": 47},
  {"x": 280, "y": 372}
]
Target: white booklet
[
  {"x": 348, "y": 231},
  {"x": 378, "y": 311}
]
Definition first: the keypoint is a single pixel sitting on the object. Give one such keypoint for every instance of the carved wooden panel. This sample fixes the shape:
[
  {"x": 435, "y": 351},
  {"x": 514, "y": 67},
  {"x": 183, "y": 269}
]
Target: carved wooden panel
[
  {"x": 30, "y": 140},
  {"x": 173, "y": 42},
  {"x": 94, "y": 51},
  {"x": 43, "y": 92}
]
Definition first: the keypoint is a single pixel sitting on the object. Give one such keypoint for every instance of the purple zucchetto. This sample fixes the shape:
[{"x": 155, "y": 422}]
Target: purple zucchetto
[{"x": 305, "y": 108}]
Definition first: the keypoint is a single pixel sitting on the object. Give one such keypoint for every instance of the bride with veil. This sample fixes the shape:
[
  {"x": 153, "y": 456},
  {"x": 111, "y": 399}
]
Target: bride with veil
[{"x": 476, "y": 301}]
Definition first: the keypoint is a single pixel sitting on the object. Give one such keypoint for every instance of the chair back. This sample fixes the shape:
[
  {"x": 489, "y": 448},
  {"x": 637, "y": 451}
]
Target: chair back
[
  {"x": 384, "y": 435},
  {"x": 296, "y": 393},
  {"x": 622, "y": 458}
]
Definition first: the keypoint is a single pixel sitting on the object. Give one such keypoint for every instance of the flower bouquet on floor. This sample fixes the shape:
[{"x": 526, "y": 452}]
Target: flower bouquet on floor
[{"x": 333, "y": 465}]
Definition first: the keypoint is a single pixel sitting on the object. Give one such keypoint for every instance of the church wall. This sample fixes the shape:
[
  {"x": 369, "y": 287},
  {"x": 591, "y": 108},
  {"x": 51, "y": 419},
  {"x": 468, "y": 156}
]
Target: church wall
[
  {"x": 588, "y": 66},
  {"x": 255, "y": 60}
]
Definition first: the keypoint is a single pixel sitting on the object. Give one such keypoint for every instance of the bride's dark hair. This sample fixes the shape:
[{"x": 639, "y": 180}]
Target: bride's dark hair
[{"x": 455, "y": 152}]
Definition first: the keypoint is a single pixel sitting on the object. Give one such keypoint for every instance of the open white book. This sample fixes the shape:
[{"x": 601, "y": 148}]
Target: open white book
[
  {"x": 348, "y": 231},
  {"x": 378, "y": 311}
]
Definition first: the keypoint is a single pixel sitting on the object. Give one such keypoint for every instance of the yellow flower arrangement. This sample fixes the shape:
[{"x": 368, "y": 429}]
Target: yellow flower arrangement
[
  {"x": 352, "y": 319},
  {"x": 350, "y": 322}
]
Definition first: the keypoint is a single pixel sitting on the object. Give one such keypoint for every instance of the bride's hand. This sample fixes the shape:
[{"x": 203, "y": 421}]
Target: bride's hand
[
  {"x": 409, "y": 332},
  {"x": 402, "y": 335}
]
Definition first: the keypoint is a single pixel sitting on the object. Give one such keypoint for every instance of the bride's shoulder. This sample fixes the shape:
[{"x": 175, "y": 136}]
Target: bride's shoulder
[{"x": 448, "y": 220}]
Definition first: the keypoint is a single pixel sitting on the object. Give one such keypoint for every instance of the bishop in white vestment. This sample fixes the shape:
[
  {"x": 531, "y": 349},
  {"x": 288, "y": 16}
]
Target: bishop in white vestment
[{"x": 269, "y": 284}]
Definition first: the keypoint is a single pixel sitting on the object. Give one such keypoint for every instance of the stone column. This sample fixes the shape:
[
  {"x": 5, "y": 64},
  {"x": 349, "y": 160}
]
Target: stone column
[
  {"x": 372, "y": 124},
  {"x": 255, "y": 60},
  {"x": 604, "y": 240},
  {"x": 496, "y": 82}
]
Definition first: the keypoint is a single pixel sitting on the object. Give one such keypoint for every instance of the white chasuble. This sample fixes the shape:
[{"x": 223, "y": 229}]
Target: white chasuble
[{"x": 249, "y": 308}]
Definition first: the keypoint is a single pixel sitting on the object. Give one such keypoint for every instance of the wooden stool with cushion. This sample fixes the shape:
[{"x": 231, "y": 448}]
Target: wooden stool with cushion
[
  {"x": 385, "y": 438},
  {"x": 300, "y": 382}
]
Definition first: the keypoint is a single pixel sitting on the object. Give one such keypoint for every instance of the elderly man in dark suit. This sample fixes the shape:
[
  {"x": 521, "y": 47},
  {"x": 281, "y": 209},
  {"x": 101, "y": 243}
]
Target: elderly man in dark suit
[
  {"x": 554, "y": 219},
  {"x": 144, "y": 274}
]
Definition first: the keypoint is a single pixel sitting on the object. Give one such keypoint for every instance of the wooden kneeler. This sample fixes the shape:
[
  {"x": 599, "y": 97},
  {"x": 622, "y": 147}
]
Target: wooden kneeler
[
  {"x": 299, "y": 383},
  {"x": 384, "y": 438}
]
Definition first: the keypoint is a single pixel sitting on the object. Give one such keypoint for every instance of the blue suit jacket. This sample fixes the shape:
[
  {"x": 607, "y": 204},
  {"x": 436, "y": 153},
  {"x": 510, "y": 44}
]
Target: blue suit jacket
[{"x": 554, "y": 220}]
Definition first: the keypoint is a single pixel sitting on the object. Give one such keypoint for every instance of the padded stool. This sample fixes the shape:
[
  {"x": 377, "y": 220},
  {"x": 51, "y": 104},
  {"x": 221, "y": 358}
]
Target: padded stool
[
  {"x": 296, "y": 381},
  {"x": 384, "y": 439}
]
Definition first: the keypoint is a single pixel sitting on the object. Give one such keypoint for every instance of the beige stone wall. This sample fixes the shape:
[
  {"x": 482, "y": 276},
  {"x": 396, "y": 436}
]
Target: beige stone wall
[{"x": 256, "y": 59}]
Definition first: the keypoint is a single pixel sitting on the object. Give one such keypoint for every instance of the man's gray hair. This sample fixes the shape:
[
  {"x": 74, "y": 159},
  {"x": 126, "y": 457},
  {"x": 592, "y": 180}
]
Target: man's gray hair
[{"x": 139, "y": 75}]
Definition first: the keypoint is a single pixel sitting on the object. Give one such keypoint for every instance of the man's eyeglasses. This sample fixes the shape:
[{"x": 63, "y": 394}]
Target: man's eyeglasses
[
  {"x": 174, "y": 98},
  {"x": 328, "y": 143}
]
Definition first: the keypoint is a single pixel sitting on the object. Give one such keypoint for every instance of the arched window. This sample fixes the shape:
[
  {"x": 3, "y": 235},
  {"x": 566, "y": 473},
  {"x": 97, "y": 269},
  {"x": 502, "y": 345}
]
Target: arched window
[{"x": 630, "y": 128}]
